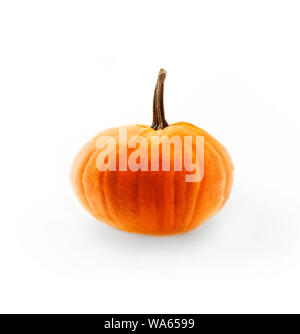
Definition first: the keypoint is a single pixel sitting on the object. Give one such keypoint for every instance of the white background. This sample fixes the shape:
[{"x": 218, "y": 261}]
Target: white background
[{"x": 69, "y": 69}]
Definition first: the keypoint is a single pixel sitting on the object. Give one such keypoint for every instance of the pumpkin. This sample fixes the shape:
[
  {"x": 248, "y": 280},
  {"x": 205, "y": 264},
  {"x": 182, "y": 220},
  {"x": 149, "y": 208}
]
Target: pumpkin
[{"x": 156, "y": 202}]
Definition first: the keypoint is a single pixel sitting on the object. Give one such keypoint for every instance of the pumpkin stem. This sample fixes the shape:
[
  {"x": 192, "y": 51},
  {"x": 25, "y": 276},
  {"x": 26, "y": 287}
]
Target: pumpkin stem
[{"x": 159, "y": 121}]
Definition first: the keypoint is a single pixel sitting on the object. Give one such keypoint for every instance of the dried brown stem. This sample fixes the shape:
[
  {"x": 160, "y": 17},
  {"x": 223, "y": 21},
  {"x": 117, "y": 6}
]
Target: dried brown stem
[{"x": 159, "y": 121}]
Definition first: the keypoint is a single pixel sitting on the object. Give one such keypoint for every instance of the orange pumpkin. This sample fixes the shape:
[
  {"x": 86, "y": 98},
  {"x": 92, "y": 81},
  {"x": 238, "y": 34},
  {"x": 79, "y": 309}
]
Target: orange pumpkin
[{"x": 157, "y": 202}]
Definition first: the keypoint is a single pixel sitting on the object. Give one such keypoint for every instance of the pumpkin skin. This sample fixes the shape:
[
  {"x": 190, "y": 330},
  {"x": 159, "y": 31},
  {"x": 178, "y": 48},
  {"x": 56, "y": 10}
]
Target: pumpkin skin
[{"x": 153, "y": 202}]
